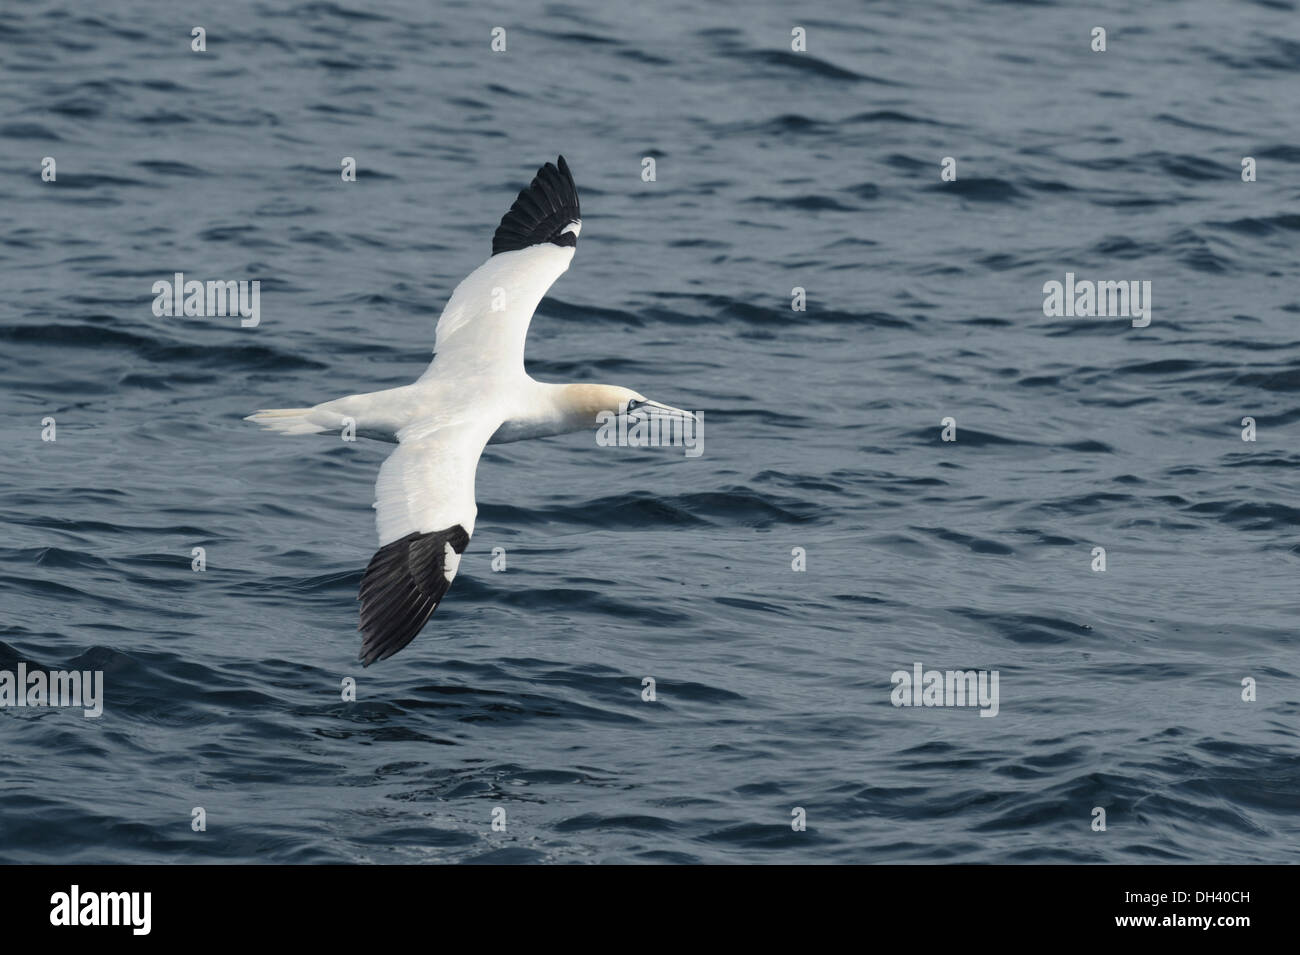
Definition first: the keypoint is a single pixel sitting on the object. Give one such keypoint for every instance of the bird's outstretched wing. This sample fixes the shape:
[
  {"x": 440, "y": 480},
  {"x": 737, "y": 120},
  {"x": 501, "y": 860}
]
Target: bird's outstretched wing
[
  {"x": 424, "y": 510},
  {"x": 485, "y": 324},
  {"x": 425, "y": 493}
]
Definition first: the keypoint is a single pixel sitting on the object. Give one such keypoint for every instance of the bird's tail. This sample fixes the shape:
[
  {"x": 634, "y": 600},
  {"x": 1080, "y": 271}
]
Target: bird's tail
[{"x": 288, "y": 420}]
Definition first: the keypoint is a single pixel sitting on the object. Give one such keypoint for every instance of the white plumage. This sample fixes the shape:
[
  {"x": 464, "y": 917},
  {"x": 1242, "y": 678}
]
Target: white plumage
[{"x": 475, "y": 391}]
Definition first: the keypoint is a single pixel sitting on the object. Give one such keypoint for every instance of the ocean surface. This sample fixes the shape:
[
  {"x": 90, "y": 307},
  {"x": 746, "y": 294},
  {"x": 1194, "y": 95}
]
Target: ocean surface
[{"x": 1120, "y": 690}]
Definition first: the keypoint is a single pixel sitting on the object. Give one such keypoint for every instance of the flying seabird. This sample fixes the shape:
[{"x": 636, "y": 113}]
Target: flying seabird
[{"x": 475, "y": 392}]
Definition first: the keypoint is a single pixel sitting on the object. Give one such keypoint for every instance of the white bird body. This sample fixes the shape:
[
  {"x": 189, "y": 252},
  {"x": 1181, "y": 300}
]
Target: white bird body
[{"x": 474, "y": 392}]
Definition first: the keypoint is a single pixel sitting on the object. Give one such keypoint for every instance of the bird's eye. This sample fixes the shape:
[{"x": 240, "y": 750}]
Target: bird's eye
[{"x": 631, "y": 404}]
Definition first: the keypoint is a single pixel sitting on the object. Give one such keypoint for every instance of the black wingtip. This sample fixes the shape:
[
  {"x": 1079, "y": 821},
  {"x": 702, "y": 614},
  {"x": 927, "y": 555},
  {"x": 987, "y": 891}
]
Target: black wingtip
[
  {"x": 541, "y": 212},
  {"x": 401, "y": 588}
]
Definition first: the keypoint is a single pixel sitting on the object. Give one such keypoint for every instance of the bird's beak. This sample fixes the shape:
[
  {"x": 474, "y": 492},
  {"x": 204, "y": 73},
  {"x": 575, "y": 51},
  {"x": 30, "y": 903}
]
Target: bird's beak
[{"x": 664, "y": 410}]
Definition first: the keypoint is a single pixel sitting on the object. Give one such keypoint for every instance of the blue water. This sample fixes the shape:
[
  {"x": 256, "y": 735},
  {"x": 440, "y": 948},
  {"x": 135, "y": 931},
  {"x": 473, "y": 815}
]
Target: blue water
[{"x": 774, "y": 169}]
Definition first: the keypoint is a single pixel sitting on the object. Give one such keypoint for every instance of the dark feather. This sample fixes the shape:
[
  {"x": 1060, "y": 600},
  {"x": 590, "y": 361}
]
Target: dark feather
[
  {"x": 401, "y": 587},
  {"x": 542, "y": 210}
]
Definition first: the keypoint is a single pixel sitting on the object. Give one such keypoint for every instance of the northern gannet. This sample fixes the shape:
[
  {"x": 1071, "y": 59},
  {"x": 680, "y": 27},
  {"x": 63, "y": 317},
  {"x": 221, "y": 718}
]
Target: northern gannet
[{"x": 475, "y": 392}]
